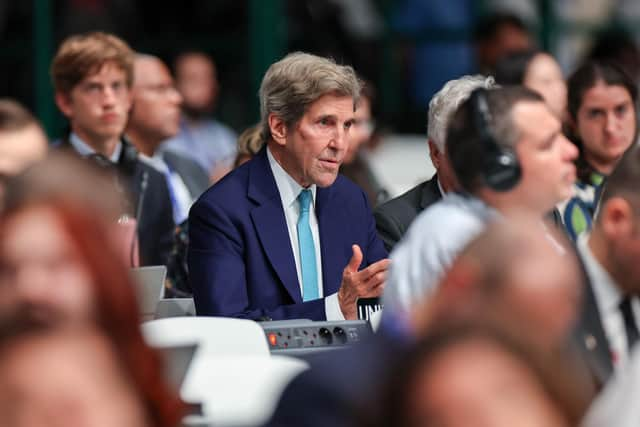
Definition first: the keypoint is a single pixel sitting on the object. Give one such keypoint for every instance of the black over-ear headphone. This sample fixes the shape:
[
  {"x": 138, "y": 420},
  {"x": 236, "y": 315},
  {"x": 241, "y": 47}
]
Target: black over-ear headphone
[{"x": 500, "y": 166}]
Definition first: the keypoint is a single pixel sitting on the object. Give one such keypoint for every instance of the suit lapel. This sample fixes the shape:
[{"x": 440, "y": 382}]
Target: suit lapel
[
  {"x": 592, "y": 336},
  {"x": 271, "y": 225},
  {"x": 331, "y": 236},
  {"x": 430, "y": 192}
]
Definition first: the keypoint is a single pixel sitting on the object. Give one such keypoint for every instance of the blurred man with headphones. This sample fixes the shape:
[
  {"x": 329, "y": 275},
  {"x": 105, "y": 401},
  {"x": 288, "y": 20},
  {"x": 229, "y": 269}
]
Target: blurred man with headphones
[
  {"x": 509, "y": 156},
  {"x": 92, "y": 75}
]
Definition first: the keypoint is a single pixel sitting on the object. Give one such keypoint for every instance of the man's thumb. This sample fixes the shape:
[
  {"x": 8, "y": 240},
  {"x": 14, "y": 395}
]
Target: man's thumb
[{"x": 356, "y": 259}]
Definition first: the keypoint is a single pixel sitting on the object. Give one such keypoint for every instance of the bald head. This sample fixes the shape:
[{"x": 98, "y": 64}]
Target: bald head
[
  {"x": 155, "y": 115},
  {"x": 197, "y": 81}
]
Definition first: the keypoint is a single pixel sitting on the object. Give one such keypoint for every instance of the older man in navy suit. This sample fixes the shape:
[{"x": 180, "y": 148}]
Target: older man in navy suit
[{"x": 284, "y": 236}]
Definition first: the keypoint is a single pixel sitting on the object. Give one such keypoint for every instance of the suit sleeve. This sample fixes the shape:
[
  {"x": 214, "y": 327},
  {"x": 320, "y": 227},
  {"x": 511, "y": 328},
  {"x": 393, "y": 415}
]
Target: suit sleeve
[
  {"x": 157, "y": 227},
  {"x": 375, "y": 248},
  {"x": 217, "y": 260},
  {"x": 388, "y": 228}
]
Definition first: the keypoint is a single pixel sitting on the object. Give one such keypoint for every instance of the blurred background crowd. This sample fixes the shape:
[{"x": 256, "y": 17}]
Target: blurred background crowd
[{"x": 509, "y": 300}]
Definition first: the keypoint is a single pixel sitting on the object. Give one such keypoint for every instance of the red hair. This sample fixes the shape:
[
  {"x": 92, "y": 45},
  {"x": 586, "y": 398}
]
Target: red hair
[{"x": 116, "y": 307}]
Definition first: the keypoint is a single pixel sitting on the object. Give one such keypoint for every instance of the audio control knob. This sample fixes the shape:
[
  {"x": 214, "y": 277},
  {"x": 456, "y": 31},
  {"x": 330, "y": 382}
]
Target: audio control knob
[
  {"x": 341, "y": 337},
  {"x": 325, "y": 336}
]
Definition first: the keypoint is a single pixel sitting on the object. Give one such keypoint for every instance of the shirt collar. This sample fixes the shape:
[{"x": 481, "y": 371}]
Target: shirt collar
[
  {"x": 607, "y": 293},
  {"x": 442, "y": 192},
  {"x": 287, "y": 186},
  {"x": 85, "y": 149},
  {"x": 156, "y": 161}
]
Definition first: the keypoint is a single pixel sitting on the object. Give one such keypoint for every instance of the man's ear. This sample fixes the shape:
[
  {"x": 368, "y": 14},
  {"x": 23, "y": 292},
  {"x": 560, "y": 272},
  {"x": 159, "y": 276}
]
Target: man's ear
[
  {"x": 278, "y": 129},
  {"x": 434, "y": 153},
  {"x": 63, "y": 101},
  {"x": 617, "y": 218}
]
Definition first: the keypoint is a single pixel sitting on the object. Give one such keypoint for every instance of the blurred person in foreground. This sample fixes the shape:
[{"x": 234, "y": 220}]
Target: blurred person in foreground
[
  {"x": 92, "y": 75},
  {"x": 394, "y": 217},
  {"x": 154, "y": 117},
  {"x": 603, "y": 124},
  {"x": 74, "y": 376},
  {"x": 22, "y": 140},
  {"x": 509, "y": 157},
  {"x": 201, "y": 137},
  {"x": 61, "y": 264},
  {"x": 511, "y": 274},
  {"x": 477, "y": 374},
  {"x": 609, "y": 324},
  {"x": 284, "y": 236}
]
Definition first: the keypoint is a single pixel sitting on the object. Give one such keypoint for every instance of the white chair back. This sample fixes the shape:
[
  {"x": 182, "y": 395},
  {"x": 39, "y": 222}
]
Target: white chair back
[
  {"x": 216, "y": 336},
  {"x": 233, "y": 374},
  {"x": 242, "y": 391}
]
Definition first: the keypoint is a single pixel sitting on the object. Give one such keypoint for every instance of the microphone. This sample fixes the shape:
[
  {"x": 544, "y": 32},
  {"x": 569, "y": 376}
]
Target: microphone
[{"x": 143, "y": 191}]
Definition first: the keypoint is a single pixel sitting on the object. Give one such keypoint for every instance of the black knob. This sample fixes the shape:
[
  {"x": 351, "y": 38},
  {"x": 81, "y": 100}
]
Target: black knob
[
  {"x": 325, "y": 336},
  {"x": 341, "y": 337}
]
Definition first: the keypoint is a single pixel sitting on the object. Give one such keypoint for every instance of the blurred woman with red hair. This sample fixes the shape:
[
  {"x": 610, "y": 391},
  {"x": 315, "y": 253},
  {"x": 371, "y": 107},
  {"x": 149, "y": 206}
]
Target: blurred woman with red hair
[{"x": 60, "y": 264}]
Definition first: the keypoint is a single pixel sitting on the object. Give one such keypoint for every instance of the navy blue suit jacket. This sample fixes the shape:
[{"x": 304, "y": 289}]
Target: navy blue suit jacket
[{"x": 240, "y": 259}]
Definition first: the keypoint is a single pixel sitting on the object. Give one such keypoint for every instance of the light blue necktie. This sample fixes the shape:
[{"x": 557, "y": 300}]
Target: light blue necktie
[
  {"x": 307, "y": 250},
  {"x": 178, "y": 215}
]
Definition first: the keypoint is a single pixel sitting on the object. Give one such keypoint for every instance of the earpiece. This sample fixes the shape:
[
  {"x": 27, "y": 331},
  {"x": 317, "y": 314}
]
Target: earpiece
[{"x": 500, "y": 166}]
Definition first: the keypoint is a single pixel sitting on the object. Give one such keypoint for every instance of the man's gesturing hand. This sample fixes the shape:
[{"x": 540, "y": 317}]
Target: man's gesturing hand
[{"x": 360, "y": 284}]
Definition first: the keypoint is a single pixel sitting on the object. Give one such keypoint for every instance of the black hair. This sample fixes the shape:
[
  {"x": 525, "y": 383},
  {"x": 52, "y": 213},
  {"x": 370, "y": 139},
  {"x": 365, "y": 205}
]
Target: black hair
[
  {"x": 511, "y": 68},
  {"x": 489, "y": 26},
  {"x": 589, "y": 74},
  {"x": 464, "y": 146},
  {"x": 618, "y": 46}
]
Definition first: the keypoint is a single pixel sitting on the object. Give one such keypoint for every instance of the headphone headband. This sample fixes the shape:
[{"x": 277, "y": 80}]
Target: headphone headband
[{"x": 500, "y": 166}]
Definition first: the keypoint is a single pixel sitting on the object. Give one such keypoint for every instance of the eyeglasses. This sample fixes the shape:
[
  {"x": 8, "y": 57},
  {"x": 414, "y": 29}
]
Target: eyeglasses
[{"x": 160, "y": 89}]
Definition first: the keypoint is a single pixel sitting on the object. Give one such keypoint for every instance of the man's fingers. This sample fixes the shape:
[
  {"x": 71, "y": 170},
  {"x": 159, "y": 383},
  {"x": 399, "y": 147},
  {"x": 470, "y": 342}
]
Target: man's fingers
[
  {"x": 356, "y": 259},
  {"x": 376, "y": 280},
  {"x": 375, "y": 268},
  {"x": 375, "y": 291}
]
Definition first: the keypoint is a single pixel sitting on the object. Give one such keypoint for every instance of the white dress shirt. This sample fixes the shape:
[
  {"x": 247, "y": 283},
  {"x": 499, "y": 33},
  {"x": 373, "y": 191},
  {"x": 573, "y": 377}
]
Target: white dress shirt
[
  {"x": 608, "y": 298},
  {"x": 85, "y": 150},
  {"x": 434, "y": 239},
  {"x": 289, "y": 190}
]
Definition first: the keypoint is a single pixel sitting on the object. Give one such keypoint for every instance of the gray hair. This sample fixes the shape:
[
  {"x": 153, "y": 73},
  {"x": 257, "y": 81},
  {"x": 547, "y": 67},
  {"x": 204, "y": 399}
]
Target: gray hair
[
  {"x": 292, "y": 84},
  {"x": 445, "y": 103}
]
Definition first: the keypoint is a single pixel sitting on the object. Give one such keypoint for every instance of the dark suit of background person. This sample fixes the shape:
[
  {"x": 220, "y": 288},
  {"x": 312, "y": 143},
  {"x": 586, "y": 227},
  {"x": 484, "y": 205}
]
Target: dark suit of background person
[
  {"x": 608, "y": 327},
  {"x": 590, "y": 338},
  {"x": 153, "y": 211},
  {"x": 195, "y": 178},
  {"x": 240, "y": 258},
  {"x": 394, "y": 217}
]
